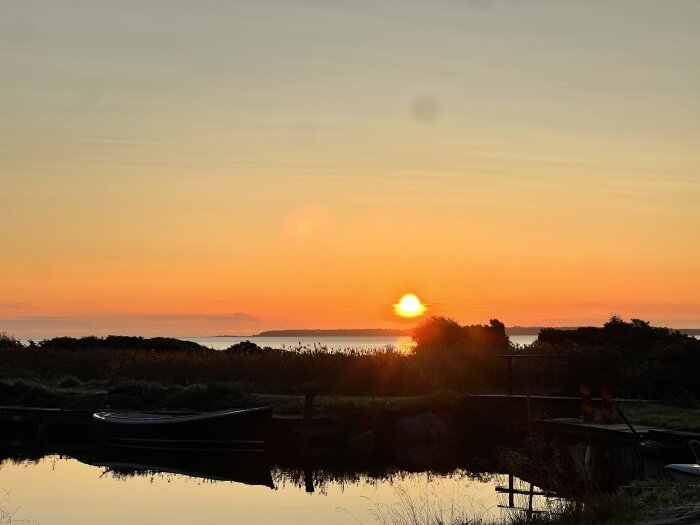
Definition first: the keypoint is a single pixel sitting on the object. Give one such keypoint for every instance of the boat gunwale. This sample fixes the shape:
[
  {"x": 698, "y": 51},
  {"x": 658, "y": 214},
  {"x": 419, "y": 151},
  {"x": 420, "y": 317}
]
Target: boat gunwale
[
  {"x": 692, "y": 469},
  {"x": 141, "y": 418}
]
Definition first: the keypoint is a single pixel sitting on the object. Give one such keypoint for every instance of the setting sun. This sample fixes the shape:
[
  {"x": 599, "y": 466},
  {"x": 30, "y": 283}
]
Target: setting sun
[{"x": 409, "y": 306}]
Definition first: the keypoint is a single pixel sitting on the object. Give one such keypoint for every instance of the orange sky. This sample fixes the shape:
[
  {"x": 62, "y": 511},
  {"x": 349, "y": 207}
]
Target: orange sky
[{"x": 199, "y": 169}]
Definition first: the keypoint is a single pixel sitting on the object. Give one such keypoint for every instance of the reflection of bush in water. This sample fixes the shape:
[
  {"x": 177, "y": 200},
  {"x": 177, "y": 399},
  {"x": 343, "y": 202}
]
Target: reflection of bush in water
[
  {"x": 321, "y": 479},
  {"x": 125, "y": 474}
]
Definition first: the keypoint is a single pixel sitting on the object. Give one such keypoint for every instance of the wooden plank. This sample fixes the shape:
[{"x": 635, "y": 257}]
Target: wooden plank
[{"x": 506, "y": 490}]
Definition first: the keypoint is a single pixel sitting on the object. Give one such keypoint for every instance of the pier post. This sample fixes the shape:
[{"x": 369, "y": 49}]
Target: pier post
[
  {"x": 509, "y": 359},
  {"x": 586, "y": 405},
  {"x": 511, "y": 492},
  {"x": 308, "y": 406},
  {"x": 308, "y": 481},
  {"x": 607, "y": 398}
]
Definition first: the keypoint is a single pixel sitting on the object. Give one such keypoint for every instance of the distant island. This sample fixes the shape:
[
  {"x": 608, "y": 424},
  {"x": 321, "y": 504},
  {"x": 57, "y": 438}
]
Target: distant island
[
  {"x": 399, "y": 332},
  {"x": 386, "y": 332}
]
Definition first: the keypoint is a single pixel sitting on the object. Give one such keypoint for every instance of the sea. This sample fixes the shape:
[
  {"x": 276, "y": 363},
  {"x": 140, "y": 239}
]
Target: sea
[{"x": 336, "y": 344}]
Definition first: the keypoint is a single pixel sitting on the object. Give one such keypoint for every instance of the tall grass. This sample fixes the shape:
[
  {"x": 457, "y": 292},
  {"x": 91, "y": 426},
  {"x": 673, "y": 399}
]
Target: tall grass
[
  {"x": 385, "y": 372},
  {"x": 619, "y": 508},
  {"x": 423, "y": 509}
]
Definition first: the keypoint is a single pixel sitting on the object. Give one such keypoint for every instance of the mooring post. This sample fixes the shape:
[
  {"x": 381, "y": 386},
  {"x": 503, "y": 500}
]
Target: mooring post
[
  {"x": 510, "y": 375},
  {"x": 308, "y": 481},
  {"x": 511, "y": 492},
  {"x": 529, "y": 501},
  {"x": 607, "y": 408},
  {"x": 586, "y": 405},
  {"x": 308, "y": 406}
]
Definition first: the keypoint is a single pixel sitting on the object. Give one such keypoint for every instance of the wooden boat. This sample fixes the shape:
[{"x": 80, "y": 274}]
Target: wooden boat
[
  {"x": 233, "y": 429},
  {"x": 686, "y": 471}
]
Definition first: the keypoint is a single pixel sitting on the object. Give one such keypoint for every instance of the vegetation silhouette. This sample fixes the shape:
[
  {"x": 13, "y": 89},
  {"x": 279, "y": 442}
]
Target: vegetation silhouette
[
  {"x": 454, "y": 356},
  {"x": 633, "y": 357}
]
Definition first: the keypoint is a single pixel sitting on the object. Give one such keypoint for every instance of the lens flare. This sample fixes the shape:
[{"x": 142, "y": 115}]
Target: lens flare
[{"x": 409, "y": 306}]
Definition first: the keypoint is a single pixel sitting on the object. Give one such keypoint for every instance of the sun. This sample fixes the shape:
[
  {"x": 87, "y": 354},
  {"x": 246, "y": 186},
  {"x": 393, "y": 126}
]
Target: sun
[{"x": 409, "y": 306}]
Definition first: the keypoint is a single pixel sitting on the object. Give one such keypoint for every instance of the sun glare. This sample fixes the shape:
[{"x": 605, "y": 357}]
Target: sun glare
[{"x": 409, "y": 306}]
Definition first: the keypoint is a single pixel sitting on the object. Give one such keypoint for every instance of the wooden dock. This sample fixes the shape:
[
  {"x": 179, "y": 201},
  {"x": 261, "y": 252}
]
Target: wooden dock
[{"x": 614, "y": 432}]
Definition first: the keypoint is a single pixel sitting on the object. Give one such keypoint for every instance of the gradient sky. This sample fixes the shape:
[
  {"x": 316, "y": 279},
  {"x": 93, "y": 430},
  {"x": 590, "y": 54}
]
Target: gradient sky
[{"x": 181, "y": 167}]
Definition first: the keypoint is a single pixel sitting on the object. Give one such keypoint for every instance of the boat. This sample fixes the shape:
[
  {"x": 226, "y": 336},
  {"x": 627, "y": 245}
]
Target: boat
[
  {"x": 686, "y": 471},
  {"x": 222, "y": 430}
]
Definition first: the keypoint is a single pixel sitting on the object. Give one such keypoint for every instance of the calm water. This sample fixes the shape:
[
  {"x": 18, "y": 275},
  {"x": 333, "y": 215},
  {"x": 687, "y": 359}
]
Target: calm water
[
  {"x": 58, "y": 490},
  {"x": 331, "y": 343}
]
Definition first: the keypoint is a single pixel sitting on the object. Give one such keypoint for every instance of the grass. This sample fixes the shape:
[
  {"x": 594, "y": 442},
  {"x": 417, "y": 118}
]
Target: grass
[
  {"x": 270, "y": 371},
  {"x": 351, "y": 406},
  {"x": 135, "y": 394},
  {"x": 623, "y": 507},
  {"x": 71, "y": 392},
  {"x": 663, "y": 415}
]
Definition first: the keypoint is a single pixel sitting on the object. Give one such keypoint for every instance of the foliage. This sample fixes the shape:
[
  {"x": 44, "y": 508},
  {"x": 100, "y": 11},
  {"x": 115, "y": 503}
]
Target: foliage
[
  {"x": 453, "y": 356},
  {"x": 9, "y": 342},
  {"x": 634, "y": 358},
  {"x": 268, "y": 370},
  {"x": 119, "y": 342},
  {"x": 437, "y": 333}
]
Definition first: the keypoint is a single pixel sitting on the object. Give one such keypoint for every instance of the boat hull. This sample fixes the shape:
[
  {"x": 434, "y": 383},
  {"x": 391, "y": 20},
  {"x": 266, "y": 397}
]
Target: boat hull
[
  {"x": 244, "y": 429},
  {"x": 684, "y": 471}
]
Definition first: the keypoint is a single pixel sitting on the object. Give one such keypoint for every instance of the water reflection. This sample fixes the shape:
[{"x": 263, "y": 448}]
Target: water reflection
[
  {"x": 246, "y": 487},
  {"x": 249, "y": 468}
]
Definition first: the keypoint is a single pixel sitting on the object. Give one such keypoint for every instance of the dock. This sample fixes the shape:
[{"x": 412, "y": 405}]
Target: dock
[{"x": 577, "y": 427}]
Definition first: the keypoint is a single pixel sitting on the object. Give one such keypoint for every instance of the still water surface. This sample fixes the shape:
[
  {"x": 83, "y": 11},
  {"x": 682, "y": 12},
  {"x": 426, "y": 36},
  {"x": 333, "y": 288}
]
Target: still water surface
[
  {"x": 59, "y": 490},
  {"x": 403, "y": 343}
]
